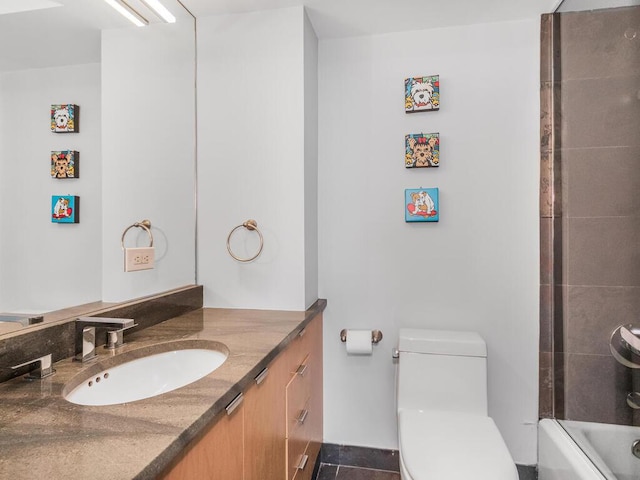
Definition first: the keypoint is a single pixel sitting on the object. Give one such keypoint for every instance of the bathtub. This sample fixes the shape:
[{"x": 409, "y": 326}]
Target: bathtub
[{"x": 604, "y": 452}]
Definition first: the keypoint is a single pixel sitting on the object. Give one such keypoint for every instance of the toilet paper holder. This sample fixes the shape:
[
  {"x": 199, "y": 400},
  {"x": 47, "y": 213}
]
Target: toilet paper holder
[{"x": 376, "y": 335}]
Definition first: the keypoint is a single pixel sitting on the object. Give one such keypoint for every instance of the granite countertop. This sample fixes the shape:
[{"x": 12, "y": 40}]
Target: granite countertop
[{"x": 44, "y": 436}]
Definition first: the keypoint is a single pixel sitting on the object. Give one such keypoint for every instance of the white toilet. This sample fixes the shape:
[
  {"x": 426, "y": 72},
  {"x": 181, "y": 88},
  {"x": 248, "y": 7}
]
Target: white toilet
[{"x": 444, "y": 430}]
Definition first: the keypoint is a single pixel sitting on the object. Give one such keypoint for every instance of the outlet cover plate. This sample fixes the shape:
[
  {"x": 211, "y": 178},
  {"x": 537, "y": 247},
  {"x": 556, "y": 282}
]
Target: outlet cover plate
[{"x": 139, "y": 258}]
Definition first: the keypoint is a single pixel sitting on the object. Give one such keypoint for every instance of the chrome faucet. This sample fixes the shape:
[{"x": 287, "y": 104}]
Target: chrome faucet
[
  {"x": 115, "y": 334},
  {"x": 45, "y": 370}
]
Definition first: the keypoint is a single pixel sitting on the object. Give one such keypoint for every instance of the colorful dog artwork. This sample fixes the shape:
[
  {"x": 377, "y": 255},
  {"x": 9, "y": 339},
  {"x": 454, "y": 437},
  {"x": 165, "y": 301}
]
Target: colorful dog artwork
[
  {"x": 65, "y": 209},
  {"x": 65, "y": 164},
  {"x": 422, "y": 150},
  {"x": 65, "y": 118},
  {"x": 421, "y": 205},
  {"x": 422, "y": 94}
]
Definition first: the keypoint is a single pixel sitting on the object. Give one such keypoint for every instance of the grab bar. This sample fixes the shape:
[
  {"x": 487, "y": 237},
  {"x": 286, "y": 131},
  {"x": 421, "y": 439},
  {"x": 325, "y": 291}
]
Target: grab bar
[{"x": 625, "y": 345}]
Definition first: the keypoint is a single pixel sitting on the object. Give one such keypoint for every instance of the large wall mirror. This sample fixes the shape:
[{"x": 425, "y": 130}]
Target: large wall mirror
[{"x": 135, "y": 87}]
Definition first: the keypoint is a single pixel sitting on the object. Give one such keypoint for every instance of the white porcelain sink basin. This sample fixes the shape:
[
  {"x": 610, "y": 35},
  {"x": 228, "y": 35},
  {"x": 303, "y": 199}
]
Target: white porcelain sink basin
[{"x": 145, "y": 373}]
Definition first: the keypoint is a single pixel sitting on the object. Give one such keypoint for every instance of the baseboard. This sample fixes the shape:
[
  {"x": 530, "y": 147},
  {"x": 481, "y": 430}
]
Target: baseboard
[
  {"x": 362, "y": 457},
  {"x": 381, "y": 459}
]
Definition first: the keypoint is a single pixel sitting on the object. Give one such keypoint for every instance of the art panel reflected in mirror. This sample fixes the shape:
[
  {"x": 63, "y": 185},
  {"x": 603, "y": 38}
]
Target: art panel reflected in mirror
[{"x": 134, "y": 131}]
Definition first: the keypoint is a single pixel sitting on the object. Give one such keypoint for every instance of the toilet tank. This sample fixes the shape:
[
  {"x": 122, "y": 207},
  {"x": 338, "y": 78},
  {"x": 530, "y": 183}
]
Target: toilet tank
[{"x": 442, "y": 370}]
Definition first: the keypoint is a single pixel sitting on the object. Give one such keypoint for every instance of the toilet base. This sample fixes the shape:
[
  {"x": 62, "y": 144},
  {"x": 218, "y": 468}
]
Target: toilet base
[{"x": 452, "y": 446}]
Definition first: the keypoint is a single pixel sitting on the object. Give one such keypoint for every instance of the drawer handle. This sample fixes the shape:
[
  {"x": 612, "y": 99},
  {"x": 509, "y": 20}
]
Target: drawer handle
[
  {"x": 235, "y": 403},
  {"x": 302, "y": 369},
  {"x": 303, "y": 416},
  {"x": 262, "y": 375},
  {"x": 303, "y": 462}
]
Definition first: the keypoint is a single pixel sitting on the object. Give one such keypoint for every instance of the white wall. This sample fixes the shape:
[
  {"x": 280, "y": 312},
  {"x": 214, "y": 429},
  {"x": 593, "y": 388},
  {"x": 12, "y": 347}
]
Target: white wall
[
  {"x": 254, "y": 129},
  {"x": 148, "y": 102},
  {"x": 310, "y": 162},
  {"x": 47, "y": 266},
  {"x": 477, "y": 268}
]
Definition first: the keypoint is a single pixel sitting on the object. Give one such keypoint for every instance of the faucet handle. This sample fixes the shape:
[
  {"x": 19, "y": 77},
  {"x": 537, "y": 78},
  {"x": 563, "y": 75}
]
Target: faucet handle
[
  {"x": 45, "y": 370},
  {"x": 115, "y": 337}
]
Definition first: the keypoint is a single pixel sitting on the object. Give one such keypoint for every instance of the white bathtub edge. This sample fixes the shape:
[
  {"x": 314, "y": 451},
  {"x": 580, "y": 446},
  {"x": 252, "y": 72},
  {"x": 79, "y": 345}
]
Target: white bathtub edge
[{"x": 559, "y": 458}]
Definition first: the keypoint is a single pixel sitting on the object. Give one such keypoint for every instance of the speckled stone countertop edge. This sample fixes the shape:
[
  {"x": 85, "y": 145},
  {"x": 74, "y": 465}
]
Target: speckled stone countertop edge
[
  {"x": 217, "y": 410},
  {"x": 143, "y": 438}
]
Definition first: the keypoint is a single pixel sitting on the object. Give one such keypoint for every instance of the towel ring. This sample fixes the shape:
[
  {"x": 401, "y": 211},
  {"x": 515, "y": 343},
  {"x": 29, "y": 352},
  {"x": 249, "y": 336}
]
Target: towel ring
[
  {"x": 249, "y": 225},
  {"x": 145, "y": 225}
]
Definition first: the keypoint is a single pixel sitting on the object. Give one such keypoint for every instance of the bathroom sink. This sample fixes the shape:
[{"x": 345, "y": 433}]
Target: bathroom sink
[{"x": 145, "y": 373}]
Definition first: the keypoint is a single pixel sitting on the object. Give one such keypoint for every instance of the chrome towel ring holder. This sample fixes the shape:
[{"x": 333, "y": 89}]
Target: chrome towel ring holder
[
  {"x": 249, "y": 225},
  {"x": 145, "y": 225}
]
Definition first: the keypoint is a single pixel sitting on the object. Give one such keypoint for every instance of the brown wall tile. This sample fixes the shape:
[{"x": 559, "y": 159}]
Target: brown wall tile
[
  {"x": 545, "y": 386},
  {"x": 604, "y": 251},
  {"x": 600, "y": 112},
  {"x": 602, "y": 181},
  {"x": 594, "y": 312},
  {"x": 546, "y": 48},
  {"x": 558, "y": 385},
  {"x": 558, "y": 326},
  {"x": 598, "y": 387},
  {"x": 560, "y": 249},
  {"x": 599, "y": 44},
  {"x": 590, "y": 169},
  {"x": 546, "y": 313},
  {"x": 546, "y": 184},
  {"x": 546, "y": 251}
]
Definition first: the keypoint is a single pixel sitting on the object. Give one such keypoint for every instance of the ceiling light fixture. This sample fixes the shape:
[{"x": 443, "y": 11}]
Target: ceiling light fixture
[
  {"x": 128, "y": 12},
  {"x": 160, "y": 9}
]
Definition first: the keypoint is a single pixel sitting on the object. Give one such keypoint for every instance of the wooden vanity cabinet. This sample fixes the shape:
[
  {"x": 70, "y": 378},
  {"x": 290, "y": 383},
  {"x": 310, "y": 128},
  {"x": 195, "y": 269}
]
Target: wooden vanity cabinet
[
  {"x": 304, "y": 403},
  {"x": 218, "y": 454},
  {"x": 276, "y": 433},
  {"x": 264, "y": 430}
]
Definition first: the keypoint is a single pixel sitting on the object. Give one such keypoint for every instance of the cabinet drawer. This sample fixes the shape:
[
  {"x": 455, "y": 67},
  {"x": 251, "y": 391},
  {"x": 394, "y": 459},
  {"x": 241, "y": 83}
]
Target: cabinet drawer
[
  {"x": 298, "y": 393},
  {"x": 312, "y": 451},
  {"x": 297, "y": 443},
  {"x": 299, "y": 349}
]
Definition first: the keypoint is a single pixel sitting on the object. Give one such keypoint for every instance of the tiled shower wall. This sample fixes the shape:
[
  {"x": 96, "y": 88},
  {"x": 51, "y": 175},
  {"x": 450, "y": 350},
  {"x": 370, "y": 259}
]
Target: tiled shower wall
[{"x": 589, "y": 210}]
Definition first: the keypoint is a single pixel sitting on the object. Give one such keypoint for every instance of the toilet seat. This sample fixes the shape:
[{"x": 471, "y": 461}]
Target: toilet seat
[{"x": 452, "y": 446}]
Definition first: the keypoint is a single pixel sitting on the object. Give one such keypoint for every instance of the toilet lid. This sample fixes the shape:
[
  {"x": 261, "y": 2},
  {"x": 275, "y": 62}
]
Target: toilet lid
[{"x": 453, "y": 446}]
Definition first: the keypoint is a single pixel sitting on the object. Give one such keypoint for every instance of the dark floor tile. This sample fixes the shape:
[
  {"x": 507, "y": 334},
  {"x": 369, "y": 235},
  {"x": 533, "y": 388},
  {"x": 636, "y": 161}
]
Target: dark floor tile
[
  {"x": 350, "y": 473},
  {"x": 527, "y": 472},
  {"x": 327, "y": 472},
  {"x": 374, "y": 458},
  {"x": 330, "y": 453}
]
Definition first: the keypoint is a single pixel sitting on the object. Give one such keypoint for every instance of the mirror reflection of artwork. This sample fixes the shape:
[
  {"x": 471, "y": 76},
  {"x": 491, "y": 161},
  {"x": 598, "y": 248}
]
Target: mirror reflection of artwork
[
  {"x": 422, "y": 94},
  {"x": 65, "y": 118},
  {"x": 65, "y": 209},
  {"x": 65, "y": 164},
  {"x": 421, "y": 205},
  {"x": 422, "y": 150}
]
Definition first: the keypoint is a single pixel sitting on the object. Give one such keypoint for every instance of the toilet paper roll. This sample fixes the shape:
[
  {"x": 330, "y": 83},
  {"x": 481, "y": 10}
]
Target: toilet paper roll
[{"x": 359, "y": 342}]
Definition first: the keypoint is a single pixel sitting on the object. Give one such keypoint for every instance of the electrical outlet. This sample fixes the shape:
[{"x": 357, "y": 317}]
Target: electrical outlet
[{"x": 139, "y": 258}]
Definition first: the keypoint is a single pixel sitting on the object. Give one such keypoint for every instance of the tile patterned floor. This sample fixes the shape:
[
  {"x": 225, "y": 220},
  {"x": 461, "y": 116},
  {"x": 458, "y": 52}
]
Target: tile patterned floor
[{"x": 338, "y": 472}]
